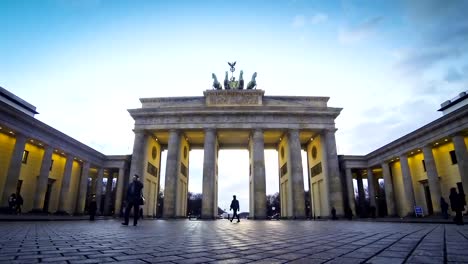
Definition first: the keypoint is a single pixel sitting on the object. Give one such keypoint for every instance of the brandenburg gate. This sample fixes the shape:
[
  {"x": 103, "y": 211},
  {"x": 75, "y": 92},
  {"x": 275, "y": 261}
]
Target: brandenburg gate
[{"x": 239, "y": 118}]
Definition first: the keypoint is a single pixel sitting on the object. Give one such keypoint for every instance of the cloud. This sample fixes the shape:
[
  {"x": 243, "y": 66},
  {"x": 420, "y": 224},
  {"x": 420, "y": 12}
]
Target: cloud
[
  {"x": 453, "y": 75},
  {"x": 300, "y": 21},
  {"x": 360, "y": 32},
  {"x": 318, "y": 18},
  {"x": 441, "y": 28}
]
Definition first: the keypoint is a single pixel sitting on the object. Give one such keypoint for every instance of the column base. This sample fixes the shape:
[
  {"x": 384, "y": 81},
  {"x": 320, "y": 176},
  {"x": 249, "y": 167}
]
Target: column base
[
  {"x": 38, "y": 211},
  {"x": 61, "y": 213}
]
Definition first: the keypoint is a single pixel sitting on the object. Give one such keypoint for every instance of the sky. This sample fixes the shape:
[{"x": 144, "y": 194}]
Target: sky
[{"x": 83, "y": 63}]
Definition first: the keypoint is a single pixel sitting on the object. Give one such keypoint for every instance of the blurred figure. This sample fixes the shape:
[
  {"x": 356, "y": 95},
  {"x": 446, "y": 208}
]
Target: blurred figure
[
  {"x": 12, "y": 203},
  {"x": 444, "y": 208},
  {"x": 134, "y": 199},
  {"x": 457, "y": 206},
  {"x": 92, "y": 208},
  {"x": 234, "y": 208}
]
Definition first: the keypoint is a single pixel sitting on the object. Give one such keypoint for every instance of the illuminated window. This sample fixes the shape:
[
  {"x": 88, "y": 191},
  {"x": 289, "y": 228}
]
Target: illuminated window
[
  {"x": 453, "y": 157},
  {"x": 25, "y": 157}
]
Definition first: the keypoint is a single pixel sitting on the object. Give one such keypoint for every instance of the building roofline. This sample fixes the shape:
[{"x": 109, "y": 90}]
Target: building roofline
[
  {"x": 18, "y": 100},
  {"x": 462, "y": 96}
]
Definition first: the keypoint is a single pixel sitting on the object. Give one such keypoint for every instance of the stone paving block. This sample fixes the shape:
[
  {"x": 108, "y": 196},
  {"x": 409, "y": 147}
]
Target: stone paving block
[
  {"x": 385, "y": 260},
  {"x": 92, "y": 261},
  {"x": 164, "y": 259},
  {"x": 194, "y": 260},
  {"x": 343, "y": 260},
  {"x": 231, "y": 261},
  {"x": 425, "y": 259},
  {"x": 308, "y": 261},
  {"x": 269, "y": 261}
]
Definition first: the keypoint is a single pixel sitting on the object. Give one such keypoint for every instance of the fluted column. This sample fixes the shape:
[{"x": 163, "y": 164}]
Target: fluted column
[
  {"x": 119, "y": 192},
  {"x": 371, "y": 187},
  {"x": 350, "y": 187},
  {"x": 432, "y": 178},
  {"x": 14, "y": 169},
  {"x": 462, "y": 160},
  {"x": 80, "y": 204},
  {"x": 41, "y": 186},
  {"x": 65, "y": 188},
  {"x": 99, "y": 179},
  {"x": 297, "y": 177},
  {"x": 334, "y": 186},
  {"x": 209, "y": 177},
  {"x": 138, "y": 156},
  {"x": 172, "y": 166},
  {"x": 108, "y": 197},
  {"x": 407, "y": 184},
  {"x": 388, "y": 185},
  {"x": 259, "y": 182}
]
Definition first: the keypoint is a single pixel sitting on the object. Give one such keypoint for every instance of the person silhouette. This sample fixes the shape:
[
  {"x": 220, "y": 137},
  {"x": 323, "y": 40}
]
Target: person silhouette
[
  {"x": 234, "y": 208},
  {"x": 444, "y": 208},
  {"x": 457, "y": 205},
  {"x": 134, "y": 199}
]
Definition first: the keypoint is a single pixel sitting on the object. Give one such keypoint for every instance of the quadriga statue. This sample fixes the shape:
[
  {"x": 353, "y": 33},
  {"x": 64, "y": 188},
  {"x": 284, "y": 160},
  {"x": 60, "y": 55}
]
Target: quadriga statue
[
  {"x": 253, "y": 83},
  {"x": 216, "y": 83}
]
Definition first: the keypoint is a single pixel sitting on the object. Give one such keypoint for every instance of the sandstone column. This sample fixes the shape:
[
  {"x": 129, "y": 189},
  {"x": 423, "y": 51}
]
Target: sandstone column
[
  {"x": 388, "y": 185},
  {"x": 371, "y": 187},
  {"x": 335, "y": 193},
  {"x": 349, "y": 185},
  {"x": 99, "y": 179},
  {"x": 80, "y": 204},
  {"x": 14, "y": 169},
  {"x": 432, "y": 178},
  {"x": 65, "y": 188},
  {"x": 407, "y": 184},
  {"x": 108, "y": 197},
  {"x": 119, "y": 192},
  {"x": 138, "y": 156},
  {"x": 41, "y": 185},
  {"x": 462, "y": 160},
  {"x": 259, "y": 181},
  {"x": 297, "y": 178},
  {"x": 172, "y": 170},
  {"x": 209, "y": 178}
]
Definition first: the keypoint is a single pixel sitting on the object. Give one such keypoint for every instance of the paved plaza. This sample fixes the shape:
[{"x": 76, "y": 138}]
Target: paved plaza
[{"x": 184, "y": 241}]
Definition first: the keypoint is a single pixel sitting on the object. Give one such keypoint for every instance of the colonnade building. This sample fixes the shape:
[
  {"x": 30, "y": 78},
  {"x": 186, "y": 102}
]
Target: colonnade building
[
  {"x": 416, "y": 170},
  {"x": 55, "y": 173}
]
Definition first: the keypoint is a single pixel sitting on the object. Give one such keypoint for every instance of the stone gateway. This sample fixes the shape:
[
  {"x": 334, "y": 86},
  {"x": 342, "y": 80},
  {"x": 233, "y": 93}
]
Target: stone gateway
[{"x": 240, "y": 119}]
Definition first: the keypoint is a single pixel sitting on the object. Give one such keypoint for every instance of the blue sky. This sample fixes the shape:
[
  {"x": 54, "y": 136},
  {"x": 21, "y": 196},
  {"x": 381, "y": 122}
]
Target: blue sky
[{"x": 83, "y": 63}]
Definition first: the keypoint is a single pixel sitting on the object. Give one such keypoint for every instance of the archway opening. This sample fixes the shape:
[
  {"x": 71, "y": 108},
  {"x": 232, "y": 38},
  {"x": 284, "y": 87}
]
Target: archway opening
[{"x": 233, "y": 179}]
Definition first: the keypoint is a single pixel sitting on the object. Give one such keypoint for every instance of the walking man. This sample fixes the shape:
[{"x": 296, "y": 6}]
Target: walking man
[
  {"x": 134, "y": 199},
  {"x": 234, "y": 208}
]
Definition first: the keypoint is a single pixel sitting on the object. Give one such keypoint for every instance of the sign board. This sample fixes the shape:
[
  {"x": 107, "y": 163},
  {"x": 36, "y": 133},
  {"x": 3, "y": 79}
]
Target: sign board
[{"x": 418, "y": 211}]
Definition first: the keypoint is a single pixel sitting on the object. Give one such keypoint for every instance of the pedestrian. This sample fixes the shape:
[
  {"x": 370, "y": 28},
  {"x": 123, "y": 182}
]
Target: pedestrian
[
  {"x": 19, "y": 203},
  {"x": 134, "y": 199},
  {"x": 333, "y": 213},
  {"x": 348, "y": 213},
  {"x": 12, "y": 203},
  {"x": 457, "y": 206},
  {"x": 234, "y": 208},
  {"x": 444, "y": 207},
  {"x": 92, "y": 208}
]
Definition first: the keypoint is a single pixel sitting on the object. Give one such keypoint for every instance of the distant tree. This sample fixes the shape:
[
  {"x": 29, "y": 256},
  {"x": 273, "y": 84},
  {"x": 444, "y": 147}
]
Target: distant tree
[{"x": 273, "y": 200}]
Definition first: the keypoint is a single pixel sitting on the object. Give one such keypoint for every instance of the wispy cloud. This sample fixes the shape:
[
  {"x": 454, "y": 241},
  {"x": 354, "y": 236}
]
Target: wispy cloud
[
  {"x": 318, "y": 18},
  {"x": 358, "y": 33},
  {"x": 300, "y": 21}
]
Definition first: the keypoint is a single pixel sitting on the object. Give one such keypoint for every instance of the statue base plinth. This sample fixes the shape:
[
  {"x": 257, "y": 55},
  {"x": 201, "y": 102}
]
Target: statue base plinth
[{"x": 233, "y": 97}]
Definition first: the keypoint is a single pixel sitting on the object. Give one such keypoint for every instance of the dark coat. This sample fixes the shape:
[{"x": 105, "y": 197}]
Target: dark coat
[
  {"x": 134, "y": 192},
  {"x": 455, "y": 202},
  {"x": 235, "y": 205}
]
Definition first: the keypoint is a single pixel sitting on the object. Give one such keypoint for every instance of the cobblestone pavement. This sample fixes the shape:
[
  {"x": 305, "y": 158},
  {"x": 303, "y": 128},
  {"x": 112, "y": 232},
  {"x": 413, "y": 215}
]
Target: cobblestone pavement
[{"x": 184, "y": 241}]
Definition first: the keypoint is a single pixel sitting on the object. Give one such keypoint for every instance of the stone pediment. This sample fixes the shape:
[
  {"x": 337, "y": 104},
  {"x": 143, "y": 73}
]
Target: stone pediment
[{"x": 233, "y": 97}]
